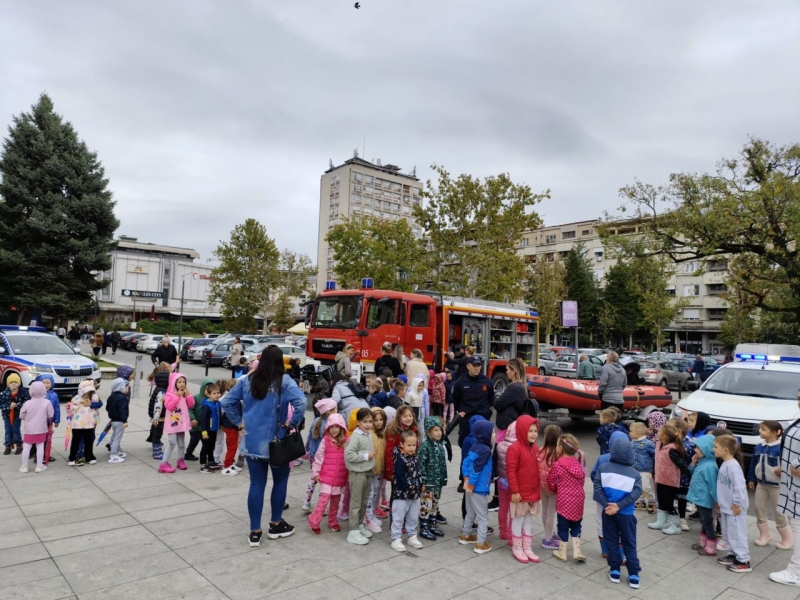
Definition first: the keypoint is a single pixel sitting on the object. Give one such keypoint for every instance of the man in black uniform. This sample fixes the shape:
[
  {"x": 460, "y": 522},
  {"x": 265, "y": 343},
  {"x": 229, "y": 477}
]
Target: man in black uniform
[{"x": 472, "y": 395}]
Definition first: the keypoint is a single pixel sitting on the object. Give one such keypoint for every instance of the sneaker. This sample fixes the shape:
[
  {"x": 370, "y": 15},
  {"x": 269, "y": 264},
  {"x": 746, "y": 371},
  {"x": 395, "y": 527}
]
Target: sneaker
[
  {"x": 254, "y": 538},
  {"x": 206, "y": 469},
  {"x": 380, "y": 513},
  {"x": 306, "y": 508},
  {"x": 398, "y": 545},
  {"x": 166, "y": 468},
  {"x": 374, "y": 526},
  {"x": 80, "y": 460},
  {"x": 551, "y": 543},
  {"x": 336, "y": 528},
  {"x": 316, "y": 530},
  {"x": 281, "y": 530},
  {"x": 362, "y": 529},
  {"x": 190, "y": 457},
  {"x": 122, "y": 454},
  {"x": 235, "y": 468},
  {"x": 93, "y": 462},
  {"x": 40, "y": 469},
  {"x": 215, "y": 466},
  {"x": 343, "y": 516},
  {"x": 494, "y": 505},
  {"x": 441, "y": 518},
  {"x": 695, "y": 516},
  {"x": 52, "y": 459},
  {"x": 18, "y": 450},
  {"x": 229, "y": 471},
  {"x": 785, "y": 578},
  {"x": 684, "y": 525},
  {"x": 722, "y": 546},
  {"x": 482, "y": 548},
  {"x": 613, "y": 576},
  {"x": 23, "y": 469},
  {"x": 467, "y": 539},
  {"x": 7, "y": 451},
  {"x": 489, "y": 530},
  {"x": 414, "y": 542},
  {"x": 633, "y": 581},
  {"x": 116, "y": 459},
  {"x": 355, "y": 537},
  {"x": 285, "y": 506},
  {"x": 71, "y": 463},
  {"x": 740, "y": 567},
  {"x": 727, "y": 560}
]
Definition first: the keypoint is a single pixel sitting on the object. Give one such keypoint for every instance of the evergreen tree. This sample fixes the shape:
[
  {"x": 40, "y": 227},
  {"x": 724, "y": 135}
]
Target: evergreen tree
[
  {"x": 57, "y": 218},
  {"x": 622, "y": 299},
  {"x": 581, "y": 286},
  {"x": 283, "y": 319}
]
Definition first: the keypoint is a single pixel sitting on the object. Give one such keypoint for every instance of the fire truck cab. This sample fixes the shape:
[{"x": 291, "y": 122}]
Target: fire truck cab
[{"x": 429, "y": 322}]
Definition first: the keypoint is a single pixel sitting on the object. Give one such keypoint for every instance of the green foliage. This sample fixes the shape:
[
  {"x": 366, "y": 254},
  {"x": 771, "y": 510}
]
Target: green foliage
[
  {"x": 283, "y": 319},
  {"x": 198, "y": 326},
  {"x": 546, "y": 289},
  {"x": 620, "y": 314},
  {"x": 57, "y": 218},
  {"x": 581, "y": 286},
  {"x": 474, "y": 228},
  {"x": 384, "y": 250}
]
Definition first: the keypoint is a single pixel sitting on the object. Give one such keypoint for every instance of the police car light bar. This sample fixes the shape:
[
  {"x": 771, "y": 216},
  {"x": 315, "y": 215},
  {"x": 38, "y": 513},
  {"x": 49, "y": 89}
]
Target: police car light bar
[
  {"x": 22, "y": 328},
  {"x": 773, "y": 358}
]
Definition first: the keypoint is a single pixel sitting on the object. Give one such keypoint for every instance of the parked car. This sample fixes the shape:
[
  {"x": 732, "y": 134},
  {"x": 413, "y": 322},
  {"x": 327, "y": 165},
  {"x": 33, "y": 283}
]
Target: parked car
[
  {"x": 711, "y": 365},
  {"x": 130, "y": 342},
  {"x": 289, "y": 351},
  {"x": 149, "y": 343},
  {"x": 634, "y": 353},
  {"x": 567, "y": 366},
  {"x": 591, "y": 351},
  {"x": 193, "y": 350},
  {"x": 663, "y": 373},
  {"x": 219, "y": 354},
  {"x": 546, "y": 361}
]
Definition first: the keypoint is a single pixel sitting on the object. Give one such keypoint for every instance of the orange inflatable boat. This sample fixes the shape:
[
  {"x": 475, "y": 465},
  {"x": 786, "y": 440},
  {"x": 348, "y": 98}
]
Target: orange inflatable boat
[{"x": 581, "y": 395}]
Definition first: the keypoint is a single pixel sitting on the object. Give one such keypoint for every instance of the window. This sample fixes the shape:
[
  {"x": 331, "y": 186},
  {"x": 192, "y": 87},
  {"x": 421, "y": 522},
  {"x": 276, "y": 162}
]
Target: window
[
  {"x": 357, "y": 176},
  {"x": 416, "y": 201},
  {"x": 356, "y": 199},
  {"x": 691, "y": 290},
  {"x": 406, "y": 210},
  {"x": 586, "y": 232},
  {"x": 356, "y": 209},
  {"x": 396, "y": 187},
  {"x": 378, "y": 182},
  {"x": 369, "y": 179},
  {"x": 415, "y": 191},
  {"x": 670, "y": 290},
  {"x": 330, "y": 253},
  {"x": 718, "y": 265},
  {"x": 567, "y": 235},
  {"x": 691, "y": 314},
  {"x": 416, "y": 232},
  {"x": 598, "y": 274},
  {"x": 367, "y": 211},
  {"x": 715, "y": 289},
  {"x": 419, "y": 315},
  {"x": 716, "y": 314},
  {"x": 381, "y": 313},
  {"x": 406, "y": 189},
  {"x": 406, "y": 199},
  {"x": 396, "y": 197},
  {"x": 550, "y": 257},
  {"x": 105, "y": 293},
  {"x": 387, "y": 184},
  {"x": 690, "y": 267},
  {"x": 367, "y": 202},
  {"x": 330, "y": 264},
  {"x": 396, "y": 207},
  {"x": 356, "y": 187},
  {"x": 524, "y": 243},
  {"x": 337, "y": 311},
  {"x": 550, "y": 239},
  {"x": 369, "y": 189},
  {"x": 387, "y": 206}
]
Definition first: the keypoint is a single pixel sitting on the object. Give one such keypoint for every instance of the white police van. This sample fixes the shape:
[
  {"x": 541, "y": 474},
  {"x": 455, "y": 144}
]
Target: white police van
[
  {"x": 758, "y": 386},
  {"x": 31, "y": 351}
]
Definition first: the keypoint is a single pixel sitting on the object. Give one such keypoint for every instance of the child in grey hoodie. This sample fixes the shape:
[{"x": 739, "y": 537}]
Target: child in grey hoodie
[{"x": 733, "y": 504}]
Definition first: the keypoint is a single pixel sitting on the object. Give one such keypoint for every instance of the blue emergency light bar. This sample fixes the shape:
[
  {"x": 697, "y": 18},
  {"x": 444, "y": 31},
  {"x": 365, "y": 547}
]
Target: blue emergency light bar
[
  {"x": 773, "y": 358},
  {"x": 22, "y": 328},
  {"x": 330, "y": 285},
  {"x": 367, "y": 283}
]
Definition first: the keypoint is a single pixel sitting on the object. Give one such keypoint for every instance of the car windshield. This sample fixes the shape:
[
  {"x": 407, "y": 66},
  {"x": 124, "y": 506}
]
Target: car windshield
[
  {"x": 761, "y": 383},
  {"x": 22, "y": 345},
  {"x": 566, "y": 358},
  {"x": 334, "y": 312}
]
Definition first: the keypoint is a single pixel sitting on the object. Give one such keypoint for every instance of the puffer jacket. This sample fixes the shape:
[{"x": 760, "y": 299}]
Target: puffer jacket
[
  {"x": 762, "y": 466},
  {"x": 502, "y": 449},
  {"x": 433, "y": 461},
  {"x": 613, "y": 381},
  {"x": 392, "y": 442},
  {"x": 329, "y": 463},
  {"x": 617, "y": 481},
  {"x": 703, "y": 488},
  {"x": 522, "y": 464},
  {"x": 667, "y": 473}
]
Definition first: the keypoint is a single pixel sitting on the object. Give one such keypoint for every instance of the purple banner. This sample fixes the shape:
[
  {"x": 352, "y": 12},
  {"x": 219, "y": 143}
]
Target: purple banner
[{"x": 569, "y": 313}]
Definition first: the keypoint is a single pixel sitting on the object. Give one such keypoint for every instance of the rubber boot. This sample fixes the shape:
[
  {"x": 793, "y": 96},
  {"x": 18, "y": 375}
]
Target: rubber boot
[
  {"x": 603, "y": 548},
  {"x": 674, "y": 525},
  {"x": 433, "y": 525},
  {"x": 516, "y": 549},
  {"x": 527, "y": 548},
  {"x": 764, "y": 535},
  {"x": 787, "y": 540},
  {"x": 660, "y": 522},
  {"x": 701, "y": 544},
  {"x": 576, "y": 550},
  {"x": 425, "y": 530},
  {"x": 158, "y": 451},
  {"x": 561, "y": 553},
  {"x": 710, "y": 547}
]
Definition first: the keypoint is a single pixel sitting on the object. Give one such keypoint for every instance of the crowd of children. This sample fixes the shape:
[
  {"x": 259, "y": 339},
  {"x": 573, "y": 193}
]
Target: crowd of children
[{"x": 661, "y": 466}]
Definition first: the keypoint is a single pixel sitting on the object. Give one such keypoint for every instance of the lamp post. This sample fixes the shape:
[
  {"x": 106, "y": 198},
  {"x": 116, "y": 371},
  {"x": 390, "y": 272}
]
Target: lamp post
[{"x": 180, "y": 322}]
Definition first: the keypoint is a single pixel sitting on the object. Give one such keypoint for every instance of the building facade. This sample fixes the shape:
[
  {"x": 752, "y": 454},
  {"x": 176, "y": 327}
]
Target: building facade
[
  {"x": 696, "y": 327},
  {"x": 359, "y": 187}
]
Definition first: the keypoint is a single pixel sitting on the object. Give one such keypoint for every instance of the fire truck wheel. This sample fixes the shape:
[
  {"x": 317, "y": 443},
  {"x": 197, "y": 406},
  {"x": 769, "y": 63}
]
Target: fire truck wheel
[{"x": 500, "y": 381}]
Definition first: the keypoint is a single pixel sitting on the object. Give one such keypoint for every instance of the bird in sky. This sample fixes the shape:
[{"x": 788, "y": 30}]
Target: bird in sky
[{"x": 357, "y": 5}]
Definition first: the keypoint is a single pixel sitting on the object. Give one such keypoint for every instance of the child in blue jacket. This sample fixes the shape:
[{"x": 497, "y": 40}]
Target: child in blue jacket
[
  {"x": 477, "y": 473},
  {"x": 608, "y": 425},
  {"x": 617, "y": 486},
  {"x": 703, "y": 492},
  {"x": 599, "y": 508},
  {"x": 762, "y": 478}
]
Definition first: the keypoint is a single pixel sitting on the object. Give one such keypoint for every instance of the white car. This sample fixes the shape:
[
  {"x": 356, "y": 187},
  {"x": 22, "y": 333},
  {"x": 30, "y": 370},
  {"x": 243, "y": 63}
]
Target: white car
[
  {"x": 739, "y": 395},
  {"x": 149, "y": 343},
  {"x": 288, "y": 350},
  {"x": 31, "y": 351}
]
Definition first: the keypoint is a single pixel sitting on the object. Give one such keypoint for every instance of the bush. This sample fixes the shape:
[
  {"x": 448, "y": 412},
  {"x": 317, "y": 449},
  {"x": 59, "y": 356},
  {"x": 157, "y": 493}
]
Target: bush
[{"x": 201, "y": 325}]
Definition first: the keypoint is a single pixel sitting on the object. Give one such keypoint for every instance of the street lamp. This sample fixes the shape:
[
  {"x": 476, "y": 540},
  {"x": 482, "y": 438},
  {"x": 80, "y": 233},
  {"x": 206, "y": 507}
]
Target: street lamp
[{"x": 180, "y": 322}]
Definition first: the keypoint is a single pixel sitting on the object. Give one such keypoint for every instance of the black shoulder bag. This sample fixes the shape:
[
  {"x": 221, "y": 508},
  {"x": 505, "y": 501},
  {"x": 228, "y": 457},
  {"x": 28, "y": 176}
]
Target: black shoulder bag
[{"x": 288, "y": 448}]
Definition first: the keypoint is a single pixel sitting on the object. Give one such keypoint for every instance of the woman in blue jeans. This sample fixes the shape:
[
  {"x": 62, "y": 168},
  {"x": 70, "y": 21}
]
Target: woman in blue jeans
[{"x": 261, "y": 402}]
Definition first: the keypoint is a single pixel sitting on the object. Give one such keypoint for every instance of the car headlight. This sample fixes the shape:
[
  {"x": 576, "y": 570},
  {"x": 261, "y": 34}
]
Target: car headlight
[
  {"x": 40, "y": 369},
  {"x": 678, "y": 412}
]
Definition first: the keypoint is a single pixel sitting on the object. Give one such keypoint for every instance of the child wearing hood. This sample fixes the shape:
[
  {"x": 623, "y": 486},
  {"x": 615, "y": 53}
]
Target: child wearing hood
[
  {"x": 83, "y": 413},
  {"x": 698, "y": 423},
  {"x": 194, "y": 419},
  {"x": 617, "y": 486},
  {"x": 566, "y": 480},
  {"x": 522, "y": 471},
  {"x": 177, "y": 402},
  {"x": 330, "y": 471},
  {"x": 37, "y": 413},
  {"x": 703, "y": 493},
  {"x": 325, "y": 407},
  {"x": 417, "y": 396},
  {"x": 477, "y": 473},
  {"x": 117, "y": 405},
  {"x": 437, "y": 393},
  {"x": 11, "y": 401},
  {"x": 601, "y": 460},
  {"x": 49, "y": 382},
  {"x": 433, "y": 462}
]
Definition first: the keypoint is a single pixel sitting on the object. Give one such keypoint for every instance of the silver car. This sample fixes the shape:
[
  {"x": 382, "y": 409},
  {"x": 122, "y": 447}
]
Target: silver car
[
  {"x": 567, "y": 366},
  {"x": 546, "y": 362},
  {"x": 663, "y": 373}
]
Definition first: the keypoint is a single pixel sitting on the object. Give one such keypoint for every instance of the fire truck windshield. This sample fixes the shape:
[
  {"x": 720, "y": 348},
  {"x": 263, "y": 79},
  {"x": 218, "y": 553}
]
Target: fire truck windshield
[{"x": 335, "y": 312}]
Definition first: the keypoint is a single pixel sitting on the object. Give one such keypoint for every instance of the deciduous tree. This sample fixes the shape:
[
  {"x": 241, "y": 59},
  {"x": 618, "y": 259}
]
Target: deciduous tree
[
  {"x": 57, "y": 218},
  {"x": 546, "y": 289}
]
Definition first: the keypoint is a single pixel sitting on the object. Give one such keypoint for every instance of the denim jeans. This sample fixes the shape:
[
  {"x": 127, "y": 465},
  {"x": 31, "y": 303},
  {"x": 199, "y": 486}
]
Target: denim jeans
[
  {"x": 16, "y": 438},
  {"x": 258, "y": 469}
]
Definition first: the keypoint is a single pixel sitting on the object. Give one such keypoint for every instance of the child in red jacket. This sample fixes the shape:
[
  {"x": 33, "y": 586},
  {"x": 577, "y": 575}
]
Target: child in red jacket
[{"x": 522, "y": 472}]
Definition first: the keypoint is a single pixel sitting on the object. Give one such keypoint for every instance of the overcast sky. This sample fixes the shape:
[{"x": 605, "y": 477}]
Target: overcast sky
[{"x": 205, "y": 113}]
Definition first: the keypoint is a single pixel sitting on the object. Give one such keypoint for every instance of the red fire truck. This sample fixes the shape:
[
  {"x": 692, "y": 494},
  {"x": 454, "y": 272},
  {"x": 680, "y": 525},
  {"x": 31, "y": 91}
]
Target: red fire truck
[{"x": 426, "y": 321}]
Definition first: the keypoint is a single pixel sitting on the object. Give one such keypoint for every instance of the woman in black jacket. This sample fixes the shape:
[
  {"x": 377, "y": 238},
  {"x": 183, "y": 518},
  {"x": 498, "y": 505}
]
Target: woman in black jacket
[{"x": 513, "y": 402}]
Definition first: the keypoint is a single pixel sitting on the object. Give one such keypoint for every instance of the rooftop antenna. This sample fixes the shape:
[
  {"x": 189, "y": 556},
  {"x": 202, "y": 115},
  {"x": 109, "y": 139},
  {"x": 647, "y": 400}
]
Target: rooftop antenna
[
  {"x": 414, "y": 171},
  {"x": 355, "y": 152},
  {"x": 364, "y": 147},
  {"x": 330, "y": 163}
]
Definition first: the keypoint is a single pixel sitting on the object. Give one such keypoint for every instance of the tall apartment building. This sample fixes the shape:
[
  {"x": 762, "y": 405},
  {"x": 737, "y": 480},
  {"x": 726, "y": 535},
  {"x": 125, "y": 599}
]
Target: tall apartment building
[
  {"x": 696, "y": 327},
  {"x": 359, "y": 187}
]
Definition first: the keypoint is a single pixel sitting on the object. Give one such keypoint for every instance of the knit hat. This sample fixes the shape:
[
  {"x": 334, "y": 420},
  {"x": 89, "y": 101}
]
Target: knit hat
[
  {"x": 431, "y": 422},
  {"x": 13, "y": 378},
  {"x": 403, "y": 378},
  {"x": 125, "y": 372},
  {"x": 86, "y": 387},
  {"x": 325, "y": 405},
  {"x": 37, "y": 390}
]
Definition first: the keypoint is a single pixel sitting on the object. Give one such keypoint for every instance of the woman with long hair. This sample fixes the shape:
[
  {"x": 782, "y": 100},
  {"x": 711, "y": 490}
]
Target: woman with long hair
[{"x": 265, "y": 394}]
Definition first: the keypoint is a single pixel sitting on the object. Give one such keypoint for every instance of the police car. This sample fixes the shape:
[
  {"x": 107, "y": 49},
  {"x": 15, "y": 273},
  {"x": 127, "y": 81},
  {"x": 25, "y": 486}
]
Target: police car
[
  {"x": 754, "y": 388},
  {"x": 31, "y": 351}
]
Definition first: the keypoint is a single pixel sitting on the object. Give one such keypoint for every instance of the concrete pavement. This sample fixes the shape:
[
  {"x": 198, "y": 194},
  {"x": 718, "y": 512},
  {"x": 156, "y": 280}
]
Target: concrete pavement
[{"x": 124, "y": 531}]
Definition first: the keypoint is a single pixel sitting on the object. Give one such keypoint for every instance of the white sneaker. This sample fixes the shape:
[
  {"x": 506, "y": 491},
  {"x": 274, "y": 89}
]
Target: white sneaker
[
  {"x": 235, "y": 468},
  {"x": 374, "y": 526},
  {"x": 92, "y": 462},
  {"x": 23, "y": 469},
  {"x": 343, "y": 516},
  {"x": 398, "y": 545},
  {"x": 785, "y": 578},
  {"x": 684, "y": 525},
  {"x": 71, "y": 463},
  {"x": 116, "y": 459},
  {"x": 722, "y": 546},
  {"x": 362, "y": 529},
  {"x": 122, "y": 454},
  {"x": 355, "y": 537},
  {"x": 229, "y": 471},
  {"x": 306, "y": 507},
  {"x": 41, "y": 469},
  {"x": 414, "y": 542}
]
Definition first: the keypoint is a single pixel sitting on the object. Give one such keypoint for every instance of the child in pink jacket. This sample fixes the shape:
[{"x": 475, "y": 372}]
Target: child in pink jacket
[
  {"x": 177, "y": 421},
  {"x": 330, "y": 471},
  {"x": 36, "y": 415},
  {"x": 565, "y": 480}
]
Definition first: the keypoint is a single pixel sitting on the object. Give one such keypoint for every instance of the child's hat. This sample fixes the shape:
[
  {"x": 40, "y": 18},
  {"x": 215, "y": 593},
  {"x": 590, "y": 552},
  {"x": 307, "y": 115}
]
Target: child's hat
[
  {"x": 13, "y": 378},
  {"x": 85, "y": 387},
  {"x": 431, "y": 422},
  {"x": 325, "y": 405},
  {"x": 125, "y": 372}
]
